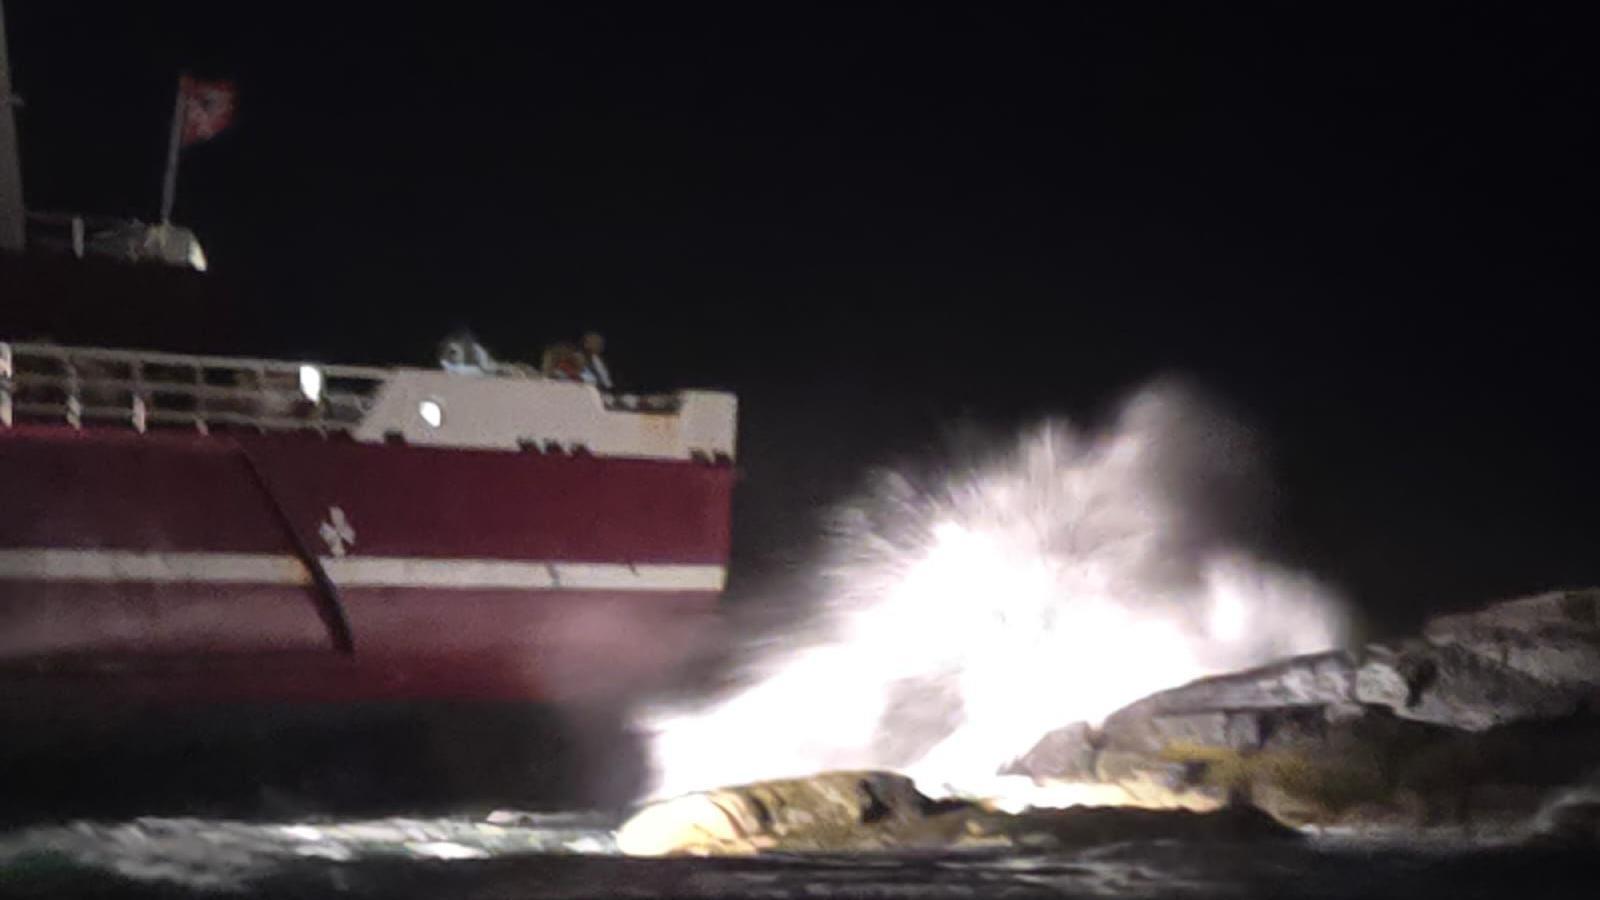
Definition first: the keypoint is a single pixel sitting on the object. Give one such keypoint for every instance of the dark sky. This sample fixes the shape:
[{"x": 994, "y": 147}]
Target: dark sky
[{"x": 1367, "y": 228}]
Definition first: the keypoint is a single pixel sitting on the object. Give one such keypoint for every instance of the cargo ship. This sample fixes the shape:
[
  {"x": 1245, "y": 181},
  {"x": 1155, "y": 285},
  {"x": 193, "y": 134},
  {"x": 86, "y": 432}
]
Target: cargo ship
[
  {"x": 386, "y": 588},
  {"x": 193, "y": 528},
  {"x": 213, "y": 564}
]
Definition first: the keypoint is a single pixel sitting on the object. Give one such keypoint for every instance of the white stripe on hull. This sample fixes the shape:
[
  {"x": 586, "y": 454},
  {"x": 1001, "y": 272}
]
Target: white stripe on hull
[
  {"x": 158, "y": 568},
  {"x": 102, "y": 566}
]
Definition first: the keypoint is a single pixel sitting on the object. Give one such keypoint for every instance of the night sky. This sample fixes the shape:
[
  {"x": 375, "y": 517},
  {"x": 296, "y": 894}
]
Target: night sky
[{"x": 1370, "y": 231}]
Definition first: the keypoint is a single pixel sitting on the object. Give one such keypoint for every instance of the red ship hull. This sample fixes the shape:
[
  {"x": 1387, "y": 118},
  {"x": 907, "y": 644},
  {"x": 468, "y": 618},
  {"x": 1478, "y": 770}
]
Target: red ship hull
[{"x": 180, "y": 568}]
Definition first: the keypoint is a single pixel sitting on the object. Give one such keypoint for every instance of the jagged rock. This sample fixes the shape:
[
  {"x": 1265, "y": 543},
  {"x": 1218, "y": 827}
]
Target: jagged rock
[
  {"x": 1578, "y": 611},
  {"x": 1476, "y": 727},
  {"x": 1321, "y": 679},
  {"x": 1142, "y": 728},
  {"x": 1452, "y": 686},
  {"x": 1066, "y": 754},
  {"x": 1226, "y": 710},
  {"x": 1534, "y": 658},
  {"x": 1553, "y": 638}
]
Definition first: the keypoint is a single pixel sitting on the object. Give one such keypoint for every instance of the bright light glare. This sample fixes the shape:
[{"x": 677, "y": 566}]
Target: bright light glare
[
  {"x": 311, "y": 383},
  {"x": 446, "y": 850},
  {"x": 431, "y": 413},
  {"x": 1054, "y": 585}
]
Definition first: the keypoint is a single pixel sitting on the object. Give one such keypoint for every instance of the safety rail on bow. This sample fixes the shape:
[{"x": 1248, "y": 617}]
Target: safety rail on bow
[{"x": 80, "y": 385}]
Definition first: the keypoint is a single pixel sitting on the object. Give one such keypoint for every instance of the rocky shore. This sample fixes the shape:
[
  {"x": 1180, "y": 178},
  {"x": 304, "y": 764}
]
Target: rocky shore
[{"x": 1486, "y": 727}]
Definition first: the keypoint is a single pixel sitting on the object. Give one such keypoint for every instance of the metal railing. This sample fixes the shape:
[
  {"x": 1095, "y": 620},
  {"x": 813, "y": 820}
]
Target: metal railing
[{"x": 79, "y": 385}]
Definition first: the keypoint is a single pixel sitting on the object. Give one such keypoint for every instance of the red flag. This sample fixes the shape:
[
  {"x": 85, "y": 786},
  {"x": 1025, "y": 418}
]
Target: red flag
[{"x": 207, "y": 108}]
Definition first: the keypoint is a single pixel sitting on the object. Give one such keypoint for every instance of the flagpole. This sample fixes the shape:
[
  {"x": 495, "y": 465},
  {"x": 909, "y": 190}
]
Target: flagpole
[
  {"x": 169, "y": 184},
  {"x": 13, "y": 216}
]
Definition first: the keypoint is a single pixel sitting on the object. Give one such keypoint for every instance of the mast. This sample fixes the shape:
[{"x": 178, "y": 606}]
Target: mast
[
  {"x": 12, "y": 214},
  {"x": 169, "y": 181}
]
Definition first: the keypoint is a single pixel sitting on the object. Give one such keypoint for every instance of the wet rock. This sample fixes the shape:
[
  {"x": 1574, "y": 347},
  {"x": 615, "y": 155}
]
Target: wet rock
[
  {"x": 1475, "y": 727},
  {"x": 1159, "y": 781},
  {"x": 872, "y": 811},
  {"x": 1088, "y": 826},
  {"x": 829, "y": 811},
  {"x": 1372, "y": 773},
  {"x": 1381, "y": 773}
]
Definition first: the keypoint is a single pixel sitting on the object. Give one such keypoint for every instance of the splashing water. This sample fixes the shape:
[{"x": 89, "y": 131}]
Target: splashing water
[{"x": 1053, "y": 584}]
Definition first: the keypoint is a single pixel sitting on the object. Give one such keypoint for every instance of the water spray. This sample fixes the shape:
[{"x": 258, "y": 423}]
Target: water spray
[{"x": 1055, "y": 582}]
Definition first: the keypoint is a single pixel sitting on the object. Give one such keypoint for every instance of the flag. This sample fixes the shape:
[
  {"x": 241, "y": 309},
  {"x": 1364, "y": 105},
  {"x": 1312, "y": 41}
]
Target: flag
[{"x": 207, "y": 108}]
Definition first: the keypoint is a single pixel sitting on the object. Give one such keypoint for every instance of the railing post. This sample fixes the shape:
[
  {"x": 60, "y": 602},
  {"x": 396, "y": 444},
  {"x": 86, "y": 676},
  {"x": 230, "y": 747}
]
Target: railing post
[
  {"x": 141, "y": 411},
  {"x": 256, "y": 401},
  {"x": 74, "y": 397},
  {"x": 200, "y": 400},
  {"x": 5, "y": 385}
]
